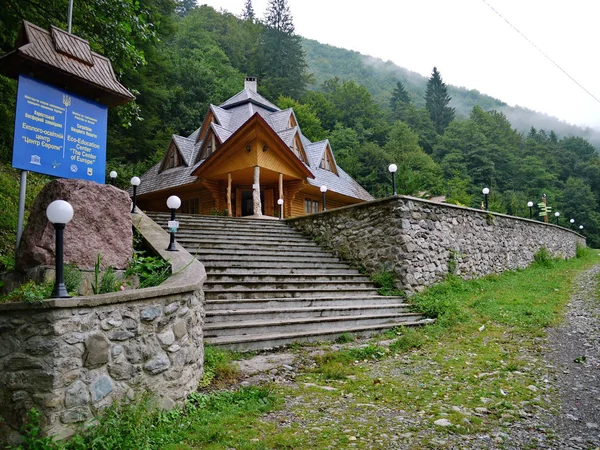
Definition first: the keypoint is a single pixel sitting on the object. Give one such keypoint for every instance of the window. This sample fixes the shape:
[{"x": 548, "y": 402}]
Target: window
[
  {"x": 327, "y": 162},
  {"x": 298, "y": 149},
  {"x": 311, "y": 206},
  {"x": 209, "y": 147},
  {"x": 172, "y": 159},
  {"x": 190, "y": 206}
]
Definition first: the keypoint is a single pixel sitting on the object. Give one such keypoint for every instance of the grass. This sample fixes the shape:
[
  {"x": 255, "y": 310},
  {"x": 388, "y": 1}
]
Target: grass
[
  {"x": 219, "y": 368},
  {"x": 483, "y": 351}
]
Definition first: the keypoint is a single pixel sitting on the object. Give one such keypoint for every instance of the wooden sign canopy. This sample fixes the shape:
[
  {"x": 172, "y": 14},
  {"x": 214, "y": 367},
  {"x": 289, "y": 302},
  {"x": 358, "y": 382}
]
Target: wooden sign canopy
[{"x": 66, "y": 61}]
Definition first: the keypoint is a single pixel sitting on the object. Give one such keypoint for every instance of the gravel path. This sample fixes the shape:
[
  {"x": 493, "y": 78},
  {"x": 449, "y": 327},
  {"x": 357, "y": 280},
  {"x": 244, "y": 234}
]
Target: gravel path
[{"x": 568, "y": 372}]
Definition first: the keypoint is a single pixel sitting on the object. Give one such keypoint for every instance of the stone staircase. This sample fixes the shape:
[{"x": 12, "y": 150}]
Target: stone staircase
[{"x": 269, "y": 286}]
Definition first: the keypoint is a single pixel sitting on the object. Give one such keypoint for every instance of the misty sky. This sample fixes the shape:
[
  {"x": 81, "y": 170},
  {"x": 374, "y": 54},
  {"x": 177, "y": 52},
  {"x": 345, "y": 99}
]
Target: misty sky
[{"x": 470, "y": 44}]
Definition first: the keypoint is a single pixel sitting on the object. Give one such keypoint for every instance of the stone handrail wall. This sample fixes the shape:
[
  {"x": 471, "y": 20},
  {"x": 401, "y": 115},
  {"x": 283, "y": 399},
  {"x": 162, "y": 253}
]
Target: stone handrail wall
[
  {"x": 422, "y": 241},
  {"x": 69, "y": 358}
]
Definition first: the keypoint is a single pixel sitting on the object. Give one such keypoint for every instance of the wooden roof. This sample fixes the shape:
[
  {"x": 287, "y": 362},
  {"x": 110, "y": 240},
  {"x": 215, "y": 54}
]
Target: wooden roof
[{"x": 64, "y": 60}]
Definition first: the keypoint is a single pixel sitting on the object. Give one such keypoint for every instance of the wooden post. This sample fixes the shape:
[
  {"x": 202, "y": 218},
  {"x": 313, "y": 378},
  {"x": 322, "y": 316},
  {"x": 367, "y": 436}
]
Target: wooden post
[
  {"x": 229, "y": 212},
  {"x": 256, "y": 192},
  {"x": 280, "y": 192}
]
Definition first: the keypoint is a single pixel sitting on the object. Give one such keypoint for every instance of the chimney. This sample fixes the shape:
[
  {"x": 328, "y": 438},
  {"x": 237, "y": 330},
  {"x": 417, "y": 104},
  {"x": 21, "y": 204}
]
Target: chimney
[{"x": 250, "y": 84}]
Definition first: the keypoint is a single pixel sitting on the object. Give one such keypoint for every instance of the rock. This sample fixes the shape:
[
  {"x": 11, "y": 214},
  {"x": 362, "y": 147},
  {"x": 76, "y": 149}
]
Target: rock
[
  {"x": 179, "y": 329},
  {"x": 77, "y": 395},
  {"x": 101, "y": 224},
  {"x": 96, "y": 351},
  {"x": 171, "y": 308},
  {"x": 120, "y": 335},
  {"x": 167, "y": 338},
  {"x": 39, "y": 345},
  {"x": 121, "y": 371},
  {"x": 158, "y": 364},
  {"x": 442, "y": 423},
  {"x": 116, "y": 350},
  {"x": 100, "y": 388},
  {"x": 150, "y": 313},
  {"x": 532, "y": 388},
  {"x": 75, "y": 415}
]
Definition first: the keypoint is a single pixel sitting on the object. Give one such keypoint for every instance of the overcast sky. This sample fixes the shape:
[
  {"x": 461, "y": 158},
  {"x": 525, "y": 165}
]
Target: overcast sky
[{"x": 470, "y": 44}]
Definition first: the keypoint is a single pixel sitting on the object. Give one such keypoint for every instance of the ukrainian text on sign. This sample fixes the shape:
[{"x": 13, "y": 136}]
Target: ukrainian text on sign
[{"x": 58, "y": 133}]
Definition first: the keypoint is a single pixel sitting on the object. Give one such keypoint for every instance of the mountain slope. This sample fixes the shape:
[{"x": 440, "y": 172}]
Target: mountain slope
[{"x": 380, "y": 77}]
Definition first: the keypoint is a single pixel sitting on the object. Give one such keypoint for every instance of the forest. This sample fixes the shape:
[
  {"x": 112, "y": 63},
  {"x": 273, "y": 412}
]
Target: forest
[{"x": 179, "y": 57}]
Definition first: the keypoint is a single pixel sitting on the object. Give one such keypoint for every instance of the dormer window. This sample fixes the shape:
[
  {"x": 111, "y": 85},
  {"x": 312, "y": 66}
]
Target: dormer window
[
  {"x": 209, "y": 146},
  {"x": 327, "y": 162},
  {"x": 172, "y": 159},
  {"x": 298, "y": 149},
  {"x": 292, "y": 122}
]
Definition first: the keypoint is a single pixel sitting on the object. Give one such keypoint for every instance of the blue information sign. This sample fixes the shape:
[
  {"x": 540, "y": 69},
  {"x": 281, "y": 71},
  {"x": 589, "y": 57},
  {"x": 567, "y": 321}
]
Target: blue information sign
[{"x": 59, "y": 133}]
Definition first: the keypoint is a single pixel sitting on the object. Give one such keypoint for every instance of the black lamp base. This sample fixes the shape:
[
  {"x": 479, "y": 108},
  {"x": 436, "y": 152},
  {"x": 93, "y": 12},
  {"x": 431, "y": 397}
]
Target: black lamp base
[{"x": 60, "y": 291}]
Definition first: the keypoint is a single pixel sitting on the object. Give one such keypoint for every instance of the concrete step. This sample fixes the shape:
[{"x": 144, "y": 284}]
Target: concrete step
[
  {"x": 286, "y": 293},
  {"x": 227, "y": 244},
  {"x": 299, "y": 302},
  {"x": 270, "y": 264},
  {"x": 246, "y": 328},
  {"x": 193, "y": 236},
  {"x": 276, "y": 271},
  {"x": 286, "y": 278},
  {"x": 279, "y": 253},
  {"x": 283, "y": 257},
  {"x": 267, "y": 341},
  {"x": 312, "y": 285},
  {"x": 221, "y": 222},
  {"x": 278, "y": 314}
]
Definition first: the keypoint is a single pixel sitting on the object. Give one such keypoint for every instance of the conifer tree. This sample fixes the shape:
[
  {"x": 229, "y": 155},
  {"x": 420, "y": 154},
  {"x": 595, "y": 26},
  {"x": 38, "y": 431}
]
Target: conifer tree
[
  {"x": 436, "y": 102},
  {"x": 283, "y": 65},
  {"x": 248, "y": 12},
  {"x": 399, "y": 101}
]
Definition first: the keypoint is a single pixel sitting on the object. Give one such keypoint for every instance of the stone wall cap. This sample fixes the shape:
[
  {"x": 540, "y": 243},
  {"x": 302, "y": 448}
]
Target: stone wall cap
[{"x": 422, "y": 200}]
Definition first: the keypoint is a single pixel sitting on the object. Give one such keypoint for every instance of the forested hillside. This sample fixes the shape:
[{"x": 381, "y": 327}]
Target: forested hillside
[{"x": 179, "y": 58}]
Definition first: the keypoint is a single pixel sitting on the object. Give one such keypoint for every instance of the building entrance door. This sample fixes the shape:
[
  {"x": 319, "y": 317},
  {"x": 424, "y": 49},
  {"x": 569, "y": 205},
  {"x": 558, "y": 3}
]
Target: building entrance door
[{"x": 248, "y": 204}]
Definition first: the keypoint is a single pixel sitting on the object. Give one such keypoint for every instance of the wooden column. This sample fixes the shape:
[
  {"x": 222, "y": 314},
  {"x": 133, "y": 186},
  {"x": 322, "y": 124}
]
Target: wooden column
[
  {"x": 256, "y": 192},
  {"x": 279, "y": 208},
  {"x": 229, "y": 211}
]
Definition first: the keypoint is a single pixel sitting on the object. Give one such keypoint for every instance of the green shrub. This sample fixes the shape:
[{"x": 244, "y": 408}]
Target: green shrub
[
  {"x": 543, "y": 258},
  {"x": 72, "y": 278},
  {"x": 581, "y": 251},
  {"x": 150, "y": 270},
  {"x": 385, "y": 281},
  {"x": 105, "y": 283},
  {"x": 344, "y": 338},
  {"x": 219, "y": 368},
  {"x": 30, "y": 292}
]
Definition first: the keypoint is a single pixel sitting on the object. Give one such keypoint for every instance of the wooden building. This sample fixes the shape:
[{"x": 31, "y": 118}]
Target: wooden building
[{"x": 246, "y": 155}]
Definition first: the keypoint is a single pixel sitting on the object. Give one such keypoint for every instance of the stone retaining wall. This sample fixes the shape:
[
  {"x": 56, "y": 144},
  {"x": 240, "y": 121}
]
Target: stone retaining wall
[
  {"x": 69, "y": 358},
  {"x": 422, "y": 241}
]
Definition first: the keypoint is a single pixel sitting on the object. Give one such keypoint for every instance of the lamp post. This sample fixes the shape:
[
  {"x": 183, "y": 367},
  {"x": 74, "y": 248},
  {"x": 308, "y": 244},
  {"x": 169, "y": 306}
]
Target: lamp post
[
  {"x": 135, "y": 182},
  {"x": 557, "y": 215},
  {"x": 393, "y": 168},
  {"x": 173, "y": 202},
  {"x": 280, "y": 203},
  {"x": 572, "y": 222},
  {"x": 486, "y": 192},
  {"x": 323, "y": 191},
  {"x": 59, "y": 213},
  {"x": 581, "y": 227},
  {"x": 530, "y": 205},
  {"x": 113, "y": 177}
]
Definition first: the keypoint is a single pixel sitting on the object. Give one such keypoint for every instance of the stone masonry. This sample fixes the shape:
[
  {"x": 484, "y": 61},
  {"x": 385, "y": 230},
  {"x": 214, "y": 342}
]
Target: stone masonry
[
  {"x": 69, "y": 358},
  {"x": 422, "y": 241}
]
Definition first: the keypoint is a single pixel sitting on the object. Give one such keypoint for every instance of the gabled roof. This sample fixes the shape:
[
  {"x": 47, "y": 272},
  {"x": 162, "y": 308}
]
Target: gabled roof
[
  {"x": 64, "y": 60},
  {"x": 255, "y": 120},
  {"x": 237, "y": 115},
  {"x": 186, "y": 148},
  {"x": 246, "y": 96}
]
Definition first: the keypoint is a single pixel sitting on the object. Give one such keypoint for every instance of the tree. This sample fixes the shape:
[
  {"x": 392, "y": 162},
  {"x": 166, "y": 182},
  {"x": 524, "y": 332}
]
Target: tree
[
  {"x": 248, "y": 12},
  {"x": 283, "y": 67},
  {"x": 436, "y": 102},
  {"x": 399, "y": 101},
  {"x": 307, "y": 119},
  {"x": 183, "y": 7}
]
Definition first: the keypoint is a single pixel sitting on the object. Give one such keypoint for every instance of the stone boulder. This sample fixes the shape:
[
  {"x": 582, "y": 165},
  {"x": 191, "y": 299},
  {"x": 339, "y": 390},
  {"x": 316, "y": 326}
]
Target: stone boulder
[{"x": 101, "y": 224}]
